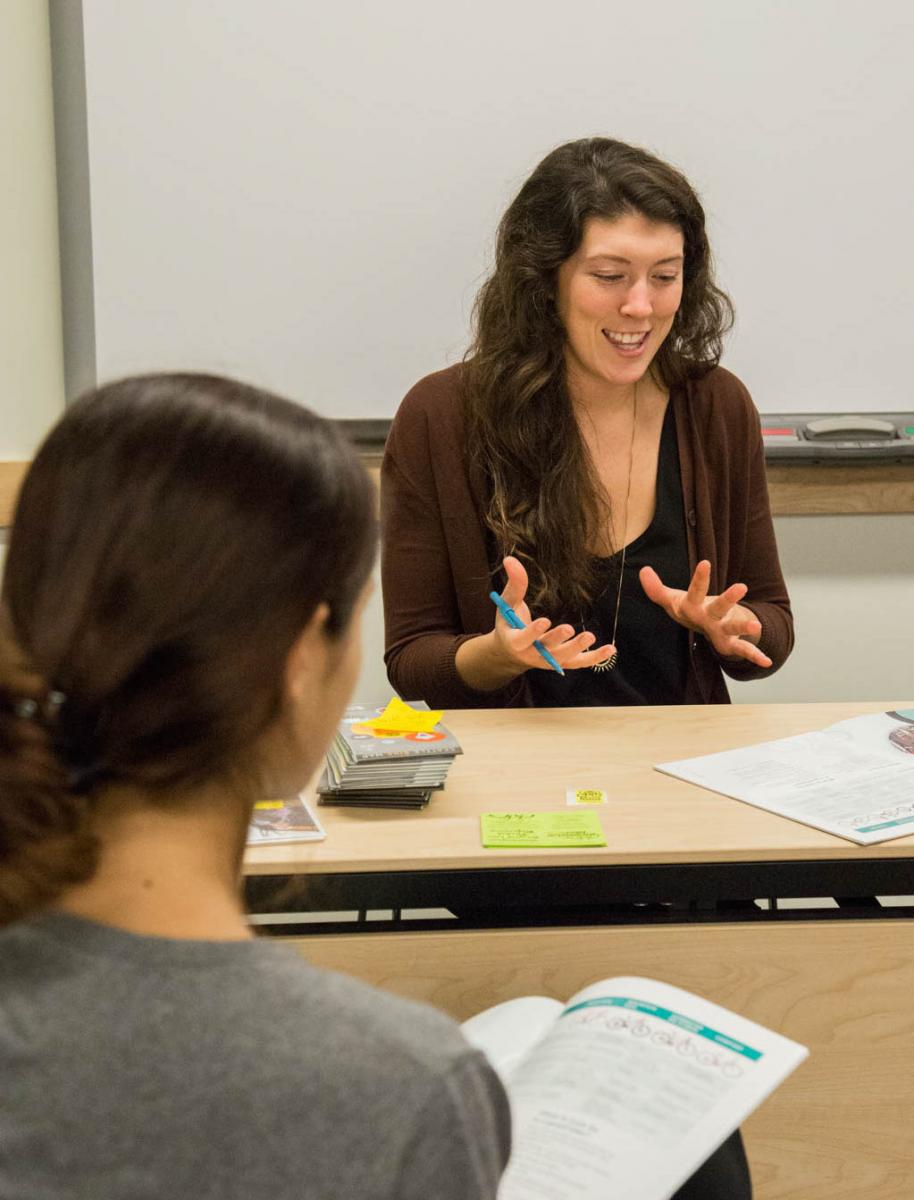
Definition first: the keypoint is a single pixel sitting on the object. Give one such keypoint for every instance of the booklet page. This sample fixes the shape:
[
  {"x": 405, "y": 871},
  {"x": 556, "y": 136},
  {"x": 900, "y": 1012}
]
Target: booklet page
[
  {"x": 506, "y": 1032},
  {"x": 854, "y": 779},
  {"x": 632, "y": 1088}
]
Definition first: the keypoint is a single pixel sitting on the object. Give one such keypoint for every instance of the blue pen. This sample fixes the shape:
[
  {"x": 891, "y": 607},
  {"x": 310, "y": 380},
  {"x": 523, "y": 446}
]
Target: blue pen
[{"x": 516, "y": 623}]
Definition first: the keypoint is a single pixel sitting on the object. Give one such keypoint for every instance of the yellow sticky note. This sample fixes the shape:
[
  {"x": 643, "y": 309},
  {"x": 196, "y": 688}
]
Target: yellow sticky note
[
  {"x": 538, "y": 830},
  {"x": 398, "y": 717},
  {"x": 269, "y": 804},
  {"x": 584, "y": 796}
]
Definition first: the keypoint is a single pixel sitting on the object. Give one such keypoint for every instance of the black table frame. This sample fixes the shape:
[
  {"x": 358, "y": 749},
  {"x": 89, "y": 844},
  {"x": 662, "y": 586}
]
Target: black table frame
[{"x": 646, "y": 893}]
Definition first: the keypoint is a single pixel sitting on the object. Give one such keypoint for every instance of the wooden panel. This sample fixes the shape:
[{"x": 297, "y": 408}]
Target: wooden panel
[
  {"x": 524, "y": 759},
  {"x": 804, "y": 490},
  {"x": 794, "y": 490},
  {"x": 838, "y": 1129},
  {"x": 11, "y": 476},
  {"x": 800, "y": 490}
]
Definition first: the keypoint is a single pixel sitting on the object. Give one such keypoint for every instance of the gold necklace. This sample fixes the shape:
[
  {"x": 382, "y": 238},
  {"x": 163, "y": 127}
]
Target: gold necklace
[{"x": 609, "y": 663}]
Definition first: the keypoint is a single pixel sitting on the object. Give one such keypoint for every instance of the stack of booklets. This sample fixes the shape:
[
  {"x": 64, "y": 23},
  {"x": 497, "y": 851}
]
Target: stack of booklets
[{"x": 377, "y": 761}]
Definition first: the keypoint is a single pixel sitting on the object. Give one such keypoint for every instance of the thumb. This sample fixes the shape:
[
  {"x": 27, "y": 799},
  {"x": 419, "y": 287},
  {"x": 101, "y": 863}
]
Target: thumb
[
  {"x": 516, "y": 587},
  {"x": 652, "y": 584}
]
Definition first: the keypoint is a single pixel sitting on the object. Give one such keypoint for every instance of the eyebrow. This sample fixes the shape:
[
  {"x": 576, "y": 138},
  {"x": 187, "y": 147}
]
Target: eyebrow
[{"x": 674, "y": 258}]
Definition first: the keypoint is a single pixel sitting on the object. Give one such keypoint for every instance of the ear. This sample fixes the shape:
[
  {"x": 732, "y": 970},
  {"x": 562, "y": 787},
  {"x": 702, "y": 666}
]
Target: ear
[{"x": 306, "y": 662}]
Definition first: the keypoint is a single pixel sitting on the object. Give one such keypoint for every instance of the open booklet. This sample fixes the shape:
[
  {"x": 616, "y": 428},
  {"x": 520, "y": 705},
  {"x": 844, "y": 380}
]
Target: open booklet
[
  {"x": 624, "y": 1091},
  {"x": 854, "y": 779}
]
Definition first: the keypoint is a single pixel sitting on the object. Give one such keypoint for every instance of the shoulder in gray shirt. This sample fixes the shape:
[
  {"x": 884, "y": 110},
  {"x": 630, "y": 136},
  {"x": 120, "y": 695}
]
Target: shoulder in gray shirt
[{"x": 134, "y": 1068}]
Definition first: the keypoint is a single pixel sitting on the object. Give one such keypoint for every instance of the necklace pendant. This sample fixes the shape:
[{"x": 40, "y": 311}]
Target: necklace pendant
[{"x": 608, "y": 664}]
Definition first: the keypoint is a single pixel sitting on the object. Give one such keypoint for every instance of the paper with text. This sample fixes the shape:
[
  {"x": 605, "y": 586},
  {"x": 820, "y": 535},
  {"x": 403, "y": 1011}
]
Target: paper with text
[
  {"x": 628, "y": 1091},
  {"x": 854, "y": 779},
  {"x": 541, "y": 830}
]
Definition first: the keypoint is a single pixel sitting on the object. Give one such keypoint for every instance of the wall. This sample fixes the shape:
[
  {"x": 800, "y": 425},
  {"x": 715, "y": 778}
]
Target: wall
[
  {"x": 31, "y": 347},
  {"x": 309, "y": 192},
  {"x": 851, "y": 578},
  {"x": 851, "y": 582}
]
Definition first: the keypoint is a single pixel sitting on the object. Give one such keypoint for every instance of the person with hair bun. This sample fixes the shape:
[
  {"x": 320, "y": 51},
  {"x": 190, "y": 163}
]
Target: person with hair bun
[
  {"x": 178, "y": 638},
  {"x": 590, "y": 460}
]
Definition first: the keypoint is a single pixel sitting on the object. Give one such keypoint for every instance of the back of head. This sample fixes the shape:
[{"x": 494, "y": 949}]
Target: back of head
[{"x": 173, "y": 536}]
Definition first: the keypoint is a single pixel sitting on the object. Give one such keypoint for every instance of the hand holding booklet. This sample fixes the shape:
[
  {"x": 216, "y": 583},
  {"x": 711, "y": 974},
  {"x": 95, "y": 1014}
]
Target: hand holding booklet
[{"x": 624, "y": 1091}]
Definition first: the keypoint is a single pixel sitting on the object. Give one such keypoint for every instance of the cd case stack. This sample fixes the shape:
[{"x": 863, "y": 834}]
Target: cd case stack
[{"x": 365, "y": 770}]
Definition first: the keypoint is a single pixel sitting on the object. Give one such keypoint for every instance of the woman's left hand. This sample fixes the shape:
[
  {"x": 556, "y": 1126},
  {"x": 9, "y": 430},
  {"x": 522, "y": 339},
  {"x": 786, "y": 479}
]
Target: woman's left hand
[{"x": 731, "y": 629}]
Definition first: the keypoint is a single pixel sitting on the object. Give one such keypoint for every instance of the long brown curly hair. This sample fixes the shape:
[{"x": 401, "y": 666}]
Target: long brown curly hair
[{"x": 545, "y": 503}]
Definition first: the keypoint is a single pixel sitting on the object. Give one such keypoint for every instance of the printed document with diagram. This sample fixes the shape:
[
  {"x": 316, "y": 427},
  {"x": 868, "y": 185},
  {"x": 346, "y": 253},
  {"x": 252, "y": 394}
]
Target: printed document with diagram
[
  {"x": 854, "y": 779},
  {"x": 626, "y": 1090}
]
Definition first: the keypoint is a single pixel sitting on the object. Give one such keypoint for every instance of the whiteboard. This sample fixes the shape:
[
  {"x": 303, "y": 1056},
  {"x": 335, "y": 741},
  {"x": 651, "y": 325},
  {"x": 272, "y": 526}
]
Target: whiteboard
[{"x": 306, "y": 194}]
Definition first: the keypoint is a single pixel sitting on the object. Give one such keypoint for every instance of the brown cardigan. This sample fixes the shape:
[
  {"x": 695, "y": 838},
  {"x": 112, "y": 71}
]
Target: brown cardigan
[{"x": 438, "y": 561}]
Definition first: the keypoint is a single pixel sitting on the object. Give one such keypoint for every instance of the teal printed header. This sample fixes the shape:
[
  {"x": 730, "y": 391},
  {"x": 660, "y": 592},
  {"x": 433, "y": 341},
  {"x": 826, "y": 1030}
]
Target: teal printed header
[
  {"x": 674, "y": 1018},
  {"x": 885, "y": 824}
]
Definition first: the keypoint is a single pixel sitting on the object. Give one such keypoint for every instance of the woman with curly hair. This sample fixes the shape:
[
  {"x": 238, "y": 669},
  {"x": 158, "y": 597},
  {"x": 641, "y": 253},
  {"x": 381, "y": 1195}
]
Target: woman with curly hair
[{"x": 589, "y": 459}]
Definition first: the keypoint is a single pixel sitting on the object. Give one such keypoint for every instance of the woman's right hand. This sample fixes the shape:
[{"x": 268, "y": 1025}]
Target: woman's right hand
[
  {"x": 570, "y": 650},
  {"x": 492, "y": 660}
]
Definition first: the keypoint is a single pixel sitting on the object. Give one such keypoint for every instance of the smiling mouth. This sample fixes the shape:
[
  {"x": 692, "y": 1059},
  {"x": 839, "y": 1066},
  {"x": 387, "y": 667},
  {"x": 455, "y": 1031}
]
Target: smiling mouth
[{"x": 627, "y": 341}]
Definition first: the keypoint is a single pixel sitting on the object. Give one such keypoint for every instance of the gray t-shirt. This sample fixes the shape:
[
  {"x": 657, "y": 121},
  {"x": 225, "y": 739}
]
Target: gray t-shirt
[{"x": 138, "y": 1067}]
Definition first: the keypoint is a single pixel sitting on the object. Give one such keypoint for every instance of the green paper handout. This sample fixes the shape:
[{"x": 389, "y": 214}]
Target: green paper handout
[{"x": 539, "y": 830}]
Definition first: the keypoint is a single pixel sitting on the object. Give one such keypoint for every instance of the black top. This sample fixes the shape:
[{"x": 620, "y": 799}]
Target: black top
[{"x": 653, "y": 649}]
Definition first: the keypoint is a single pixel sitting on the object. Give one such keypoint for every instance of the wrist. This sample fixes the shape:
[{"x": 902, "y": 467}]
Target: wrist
[
  {"x": 483, "y": 664},
  {"x": 500, "y": 657}
]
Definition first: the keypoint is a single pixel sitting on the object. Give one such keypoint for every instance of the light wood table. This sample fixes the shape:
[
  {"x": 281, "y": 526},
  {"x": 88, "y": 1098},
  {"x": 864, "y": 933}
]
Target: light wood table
[
  {"x": 838, "y": 980},
  {"x": 525, "y": 759}
]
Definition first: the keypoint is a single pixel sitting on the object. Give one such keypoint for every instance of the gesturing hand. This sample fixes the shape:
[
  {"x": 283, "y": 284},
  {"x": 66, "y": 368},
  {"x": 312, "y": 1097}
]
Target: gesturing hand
[
  {"x": 729, "y": 627},
  {"x": 515, "y": 646}
]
